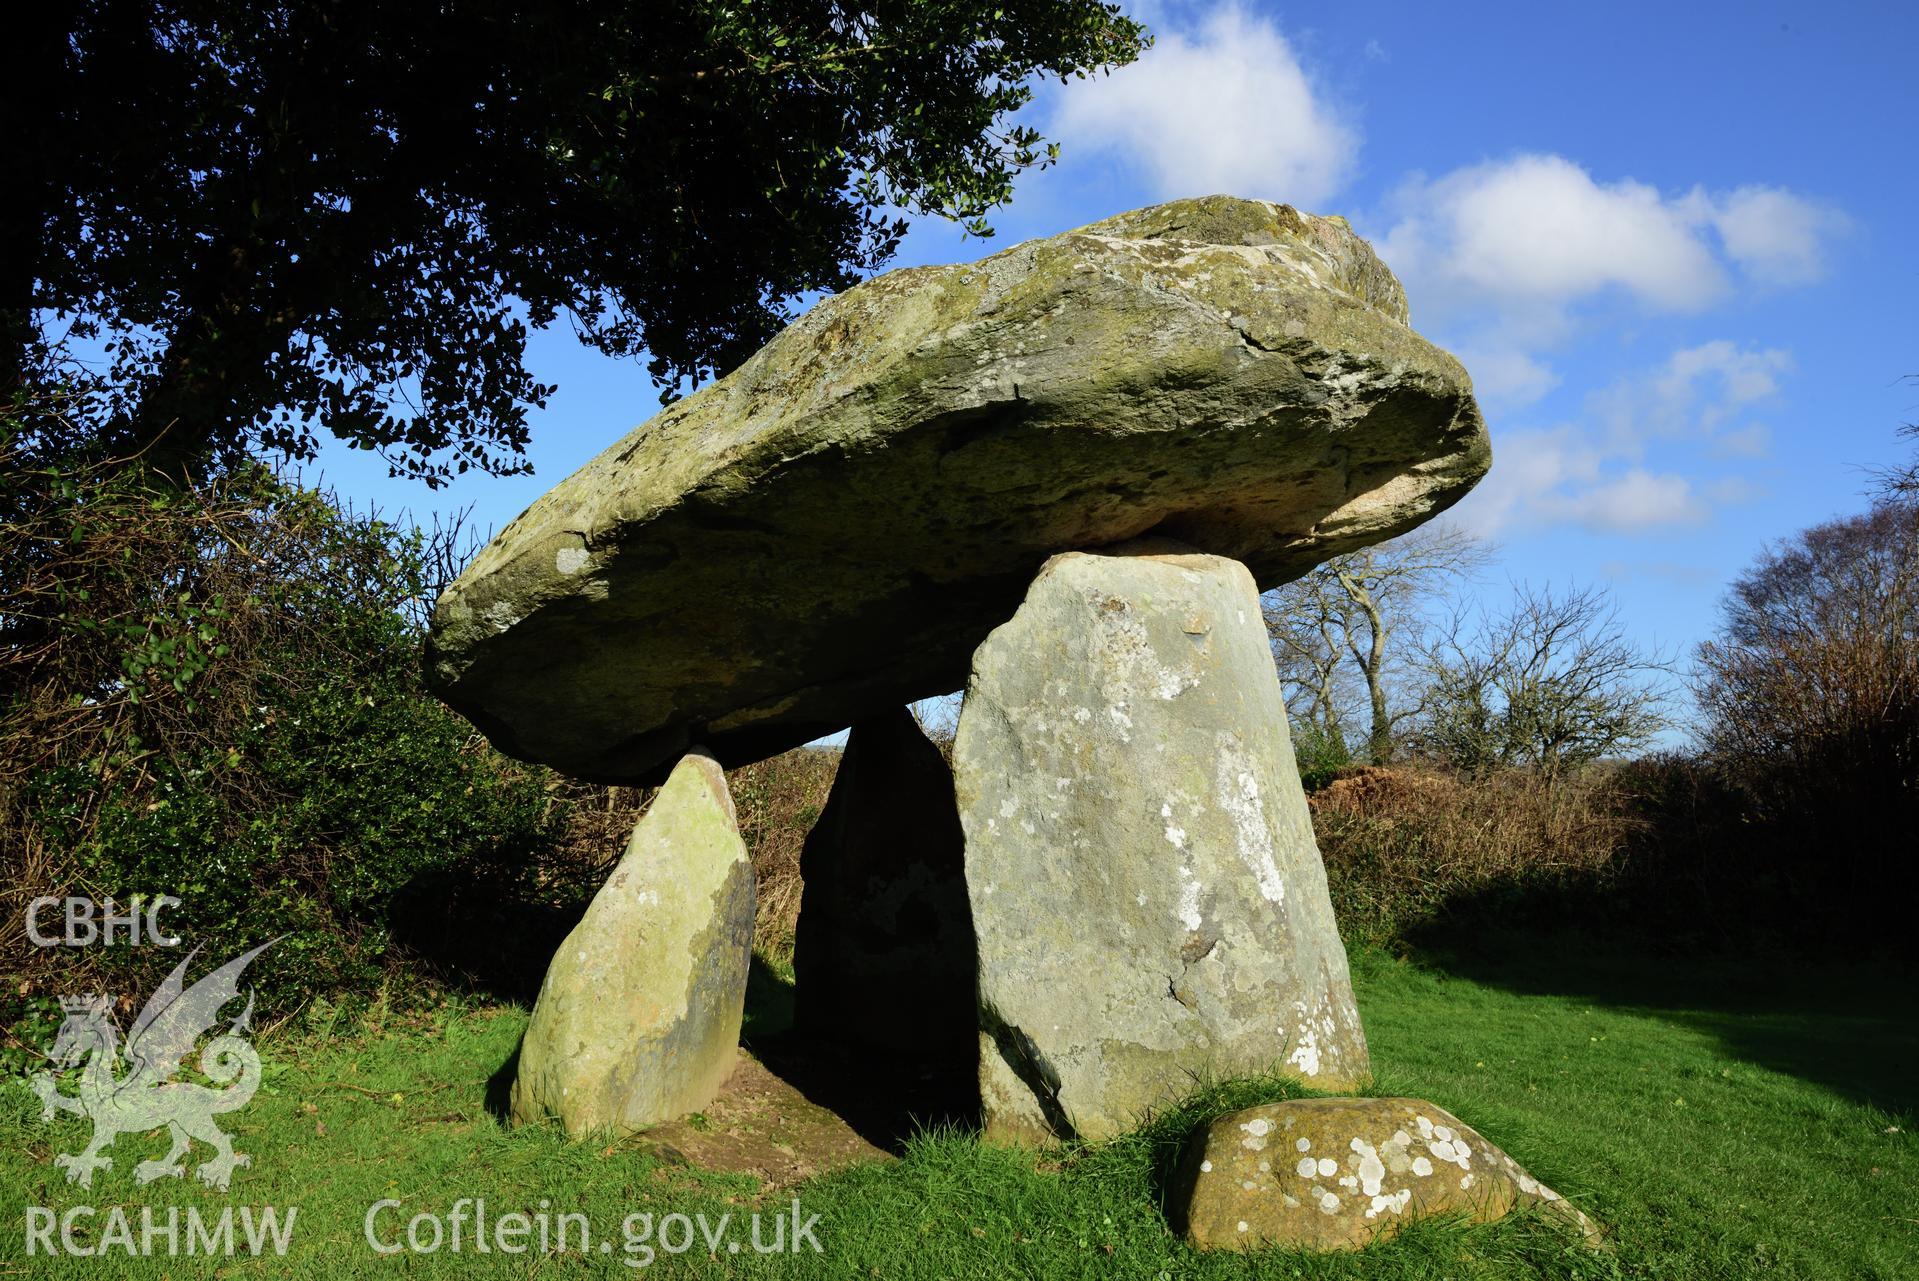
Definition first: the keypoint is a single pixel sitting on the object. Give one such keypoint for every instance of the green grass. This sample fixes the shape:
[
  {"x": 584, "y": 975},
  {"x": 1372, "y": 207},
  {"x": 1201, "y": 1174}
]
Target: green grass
[{"x": 1721, "y": 1122}]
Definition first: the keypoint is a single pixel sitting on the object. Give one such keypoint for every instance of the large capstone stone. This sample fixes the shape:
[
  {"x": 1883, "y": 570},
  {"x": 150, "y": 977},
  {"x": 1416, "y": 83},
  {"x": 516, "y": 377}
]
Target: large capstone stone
[
  {"x": 883, "y": 953},
  {"x": 638, "y": 1019},
  {"x": 1335, "y": 1173},
  {"x": 1150, "y": 905},
  {"x": 831, "y": 530}
]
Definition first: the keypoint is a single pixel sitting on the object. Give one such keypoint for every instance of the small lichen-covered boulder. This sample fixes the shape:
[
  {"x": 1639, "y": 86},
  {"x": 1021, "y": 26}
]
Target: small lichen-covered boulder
[
  {"x": 1148, "y": 899},
  {"x": 1329, "y": 1174},
  {"x": 883, "y": 953},
  {"x": 638, "y": 1020}
]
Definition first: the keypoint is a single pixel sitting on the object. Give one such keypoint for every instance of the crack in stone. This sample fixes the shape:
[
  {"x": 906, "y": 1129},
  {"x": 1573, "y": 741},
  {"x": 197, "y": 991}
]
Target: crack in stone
[{"x": 1196, "y": 949}]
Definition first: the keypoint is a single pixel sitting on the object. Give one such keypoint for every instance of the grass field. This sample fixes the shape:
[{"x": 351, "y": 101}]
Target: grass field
[{"x": 1722, "y": 1121}]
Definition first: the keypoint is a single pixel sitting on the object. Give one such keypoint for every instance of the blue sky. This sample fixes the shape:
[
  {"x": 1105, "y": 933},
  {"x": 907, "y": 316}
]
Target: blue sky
[{"x": 1671, "y": 242}]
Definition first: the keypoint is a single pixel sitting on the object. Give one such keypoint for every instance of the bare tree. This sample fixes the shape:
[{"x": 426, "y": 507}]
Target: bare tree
[
  {"x": 1307, "y": 622},
  {"x": 1352, "y": 613},
  {"x": 1900, "y": 484},
  {"x": 1552, "y": 681}
]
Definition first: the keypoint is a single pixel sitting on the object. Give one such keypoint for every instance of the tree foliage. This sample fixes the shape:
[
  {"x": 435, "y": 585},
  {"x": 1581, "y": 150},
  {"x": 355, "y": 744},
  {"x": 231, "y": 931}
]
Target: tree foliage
[{"x": 273, "y": 215}]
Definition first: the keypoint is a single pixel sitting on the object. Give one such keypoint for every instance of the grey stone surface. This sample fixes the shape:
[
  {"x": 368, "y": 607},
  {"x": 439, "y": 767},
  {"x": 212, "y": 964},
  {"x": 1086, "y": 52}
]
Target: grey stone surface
[
  {"x": 883, "y": 953},
  {"x": 830, "y": 530},
  {"x": 1150, "y": 905},
  {"x": 1331, "y": 1174},
  {"x": 638, "y": 1019}
]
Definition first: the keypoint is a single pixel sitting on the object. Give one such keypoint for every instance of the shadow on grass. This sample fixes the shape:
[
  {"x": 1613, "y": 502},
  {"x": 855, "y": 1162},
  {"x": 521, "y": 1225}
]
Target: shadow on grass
[
  {"x": 499, "y": 1088},
  {"x": 886, "y": 1100},
  {"x": 1838, "y": 1017}
]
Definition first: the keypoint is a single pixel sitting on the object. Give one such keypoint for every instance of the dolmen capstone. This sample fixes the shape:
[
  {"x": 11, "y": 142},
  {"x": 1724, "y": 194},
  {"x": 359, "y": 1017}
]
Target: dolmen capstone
[
  {"x": 1059, "y": 475},
  {"x": 829, "y": 532}
]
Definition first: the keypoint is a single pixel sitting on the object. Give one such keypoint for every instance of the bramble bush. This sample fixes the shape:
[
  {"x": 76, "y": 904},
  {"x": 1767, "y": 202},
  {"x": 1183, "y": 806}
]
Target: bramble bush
[
  {"x": 215, "y": 693},
  {"x": 1667, "y": 852}
]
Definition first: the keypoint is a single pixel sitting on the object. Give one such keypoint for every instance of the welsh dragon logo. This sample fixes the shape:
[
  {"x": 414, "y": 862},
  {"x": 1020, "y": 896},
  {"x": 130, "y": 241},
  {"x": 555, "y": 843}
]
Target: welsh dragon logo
[{"x": 129, "y": 1088}]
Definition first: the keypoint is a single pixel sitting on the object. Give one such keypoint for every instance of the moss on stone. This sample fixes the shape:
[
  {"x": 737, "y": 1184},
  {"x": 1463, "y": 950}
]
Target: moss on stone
[{"x": 831, "y": 529}]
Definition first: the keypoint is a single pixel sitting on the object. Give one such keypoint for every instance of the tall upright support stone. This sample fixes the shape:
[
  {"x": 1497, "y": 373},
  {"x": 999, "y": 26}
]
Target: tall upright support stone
[
  {"x": 1150, "y": 905},
  {"x": 883, "y": 955},
  {"x": 638, "y": 1019}
]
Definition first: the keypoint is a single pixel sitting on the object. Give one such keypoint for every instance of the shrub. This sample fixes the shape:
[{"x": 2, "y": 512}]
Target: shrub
[
  {"x": 1321, "y": 754},
  {"x": 1664, "y": 852},
  {"x": 510, "y": 917},
  {"x": 215, "y": 693},
  {"x": 1408, "y": 847},
  {"x": 778, "y": 801}
]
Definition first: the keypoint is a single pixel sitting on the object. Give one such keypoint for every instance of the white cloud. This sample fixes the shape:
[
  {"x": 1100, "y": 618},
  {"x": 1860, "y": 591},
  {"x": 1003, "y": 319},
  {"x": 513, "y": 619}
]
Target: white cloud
[
  {"x": 1699, "y": 392},
  {"x": 1754, "y": 440},
  {"x": 1596, "y": 474},
  {"x": 1731, "y": 491},
  {"x": 1777, "y": 237},
  {"x": 1560, "y": 477},
  {"x": 1539, "y": 228},
  {"x": 1635, "y": 501},
  {"x": 1226, "y": 107},
  {"x": 1744, "y": 376},
  {"x": 1510, "y": 254},
  {"x": 1504, "y": 376},
  {"x": 1527, "y": 466}
]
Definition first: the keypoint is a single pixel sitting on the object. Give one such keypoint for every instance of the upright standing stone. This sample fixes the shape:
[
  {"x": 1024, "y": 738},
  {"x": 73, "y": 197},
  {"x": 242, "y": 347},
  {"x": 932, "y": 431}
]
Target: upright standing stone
[
  {"x": 638, "y": 1020},
  {"x": 1150, "y": 905},
  {"x": 883, "y": 955}
]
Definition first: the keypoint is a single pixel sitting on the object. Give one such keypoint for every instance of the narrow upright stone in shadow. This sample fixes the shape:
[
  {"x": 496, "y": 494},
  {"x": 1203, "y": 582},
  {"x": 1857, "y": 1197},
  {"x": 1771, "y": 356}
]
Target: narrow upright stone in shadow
[
  {"x": 883, "y": 955},
  {"x": 638, "y": 1020},
  {"x": 1149, "y": 902}
]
